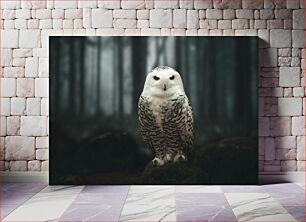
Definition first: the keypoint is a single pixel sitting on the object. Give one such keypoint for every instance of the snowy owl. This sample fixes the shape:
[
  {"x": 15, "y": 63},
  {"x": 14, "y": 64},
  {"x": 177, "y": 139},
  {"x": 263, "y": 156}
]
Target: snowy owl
[{"x": 165, "y": 116}]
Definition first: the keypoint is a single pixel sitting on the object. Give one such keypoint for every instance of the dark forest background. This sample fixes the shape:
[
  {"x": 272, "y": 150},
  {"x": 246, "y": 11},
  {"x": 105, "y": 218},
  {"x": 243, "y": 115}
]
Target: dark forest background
[{"x": 95, "y": 83}]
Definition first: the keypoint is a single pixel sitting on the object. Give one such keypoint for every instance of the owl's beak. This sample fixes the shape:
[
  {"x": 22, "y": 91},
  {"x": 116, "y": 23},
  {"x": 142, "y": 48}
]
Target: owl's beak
[{"x": 165, "y": 87}]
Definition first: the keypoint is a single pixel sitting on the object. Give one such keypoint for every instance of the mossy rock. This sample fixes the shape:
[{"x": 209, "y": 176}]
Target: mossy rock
[
  {"x": 171, "y": 174},
  {"x": 228, "y": 161}
]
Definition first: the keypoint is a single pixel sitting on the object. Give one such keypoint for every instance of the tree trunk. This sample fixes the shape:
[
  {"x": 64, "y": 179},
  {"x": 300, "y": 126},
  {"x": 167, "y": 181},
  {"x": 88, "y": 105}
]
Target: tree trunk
[
  {"x": 139, "y": 65},
  {"x": 120, "y": 76},
  {"x": 98, "y": 83},
  {"x": 72, "y": 78}
]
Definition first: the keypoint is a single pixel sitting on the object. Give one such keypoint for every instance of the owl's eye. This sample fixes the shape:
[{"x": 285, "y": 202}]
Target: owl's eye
[
  {"x": 171, "y": 78},
  {"x": 156, "y": 78}
]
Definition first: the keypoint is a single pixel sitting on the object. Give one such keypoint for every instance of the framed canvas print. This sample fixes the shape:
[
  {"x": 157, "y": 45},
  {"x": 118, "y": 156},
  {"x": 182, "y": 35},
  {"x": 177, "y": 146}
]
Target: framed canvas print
[{"x": 153, "y": 110}]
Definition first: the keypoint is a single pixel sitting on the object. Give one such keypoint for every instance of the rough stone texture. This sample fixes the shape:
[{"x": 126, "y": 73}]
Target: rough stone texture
[
  {"x": 34, "y": 165},
  {"x": 301, "y": 165},
  {"x": 29, "y": 38},
  {"x": 192, "y": 19},
  {"x": 109, "y": 4},
  {"x": 7, "y": 57},
  {"x": 143, "y": 14},
  {"x": 164, "y": 4},
  {"x": 280, "y": 38},
  {"x": 301, "y": 148},
  {"x": 33, "y": 126},
  {"x": 245, "y": 13},
  {"x": 252, "y": 4},
  {"x": 298, "y": 126},
  {"x": 186, "y": 4},
  {"x": 1, "y": 148},
  {"x": 293, "y": 4},
  {"x": 25, "y": 87},
  {"x": 285, "y": 154},
  {"x": 298, "y": 92},
  {"x": 45, "y": 165},
  {"x": 290, "y": 106},
  {"x": 226, "y": 4},
  {"x": 279, "y": 24},
  {"x": 65, "y": 4},
  {"x": 203, "y": 4},
  {"x": 263, "y": 126},
  {"x": 271, "y": 168},
  {"x": 41, "y": 87},
  {"x": 160, "y": 18},
  {"x": 5, "y": 106},
  {"x": 125, "y": 23},
  {"x": 42, "y": 154},
  {"x": 179, "y": 18},
  {"x": 228, "y": 14},
  {"x": 285, "y": 142},
  {"x": 33, "y": 106},
  {"x": 42, "y": 142},
  {"x": 269, "y": 149},
  {"x": 13, "y": 125},
  {"x": 3, "y": 128},
  {"x": 270, "y": 57},
  {"x": 298, "y": 19},
  {"x": 125, "y": 14},
  {"x": 289, "y": 76},
  {"x": 9, "y": 38},
  {"x": 44, "y": 107},
  {"x": 102, "y": 18},
  {"x": 18, "y": 166},
  {"x": 13, "y": 72},
  {"x": 18, "y": 106},
  {"x": 31, "y": 67},
  {"x": 298, "y": 38},
  {"x": 288, "y": 165},
  {"x": 214, "y": 14},
  {"x": 280, "y": 126},
  {"x": 19, "y": 148},
  {"x": 240, "y": 24}
]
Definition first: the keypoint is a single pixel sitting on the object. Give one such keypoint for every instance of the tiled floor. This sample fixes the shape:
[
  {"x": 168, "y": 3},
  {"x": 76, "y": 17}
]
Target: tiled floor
[{"x": 39, "y": 202}]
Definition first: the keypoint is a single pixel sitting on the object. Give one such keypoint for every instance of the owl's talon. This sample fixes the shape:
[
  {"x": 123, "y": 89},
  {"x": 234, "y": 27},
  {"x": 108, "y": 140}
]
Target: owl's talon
[
  {"x": 168, "y": 158},
  {"x": 180, "y": 157},
  {"x": 158, "y": 162}
]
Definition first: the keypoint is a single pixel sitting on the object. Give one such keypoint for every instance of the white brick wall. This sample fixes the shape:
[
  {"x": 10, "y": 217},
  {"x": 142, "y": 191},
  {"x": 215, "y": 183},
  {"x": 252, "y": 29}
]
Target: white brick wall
[{"x": 24, "y": 64}]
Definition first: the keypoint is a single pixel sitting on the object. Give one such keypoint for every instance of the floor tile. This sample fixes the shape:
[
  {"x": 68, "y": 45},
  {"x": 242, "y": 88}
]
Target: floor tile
[
  {"x": 47, "y": 205},
  {"x": 283, "y": 188},
  {"x": 242, "y": 189},
  {"x": 106, "y": 189},
  {"x": 298, "y": 212},
  {"x": 22, "y": 187},
  {"x": 97, "y": 203},
  {"x": 203, "y": 207},
  {"x": 301, "y": 185},
  {"x": 149, "y": 203},
  {"x": 198, "y": 189},
  {"x": 289, "y": 199},
  {"x": 6, "y": 210},
  {"x": 14, "y": 194},
  {"x": 14, "y": 198},
  {"x": 257, "y": 207}
]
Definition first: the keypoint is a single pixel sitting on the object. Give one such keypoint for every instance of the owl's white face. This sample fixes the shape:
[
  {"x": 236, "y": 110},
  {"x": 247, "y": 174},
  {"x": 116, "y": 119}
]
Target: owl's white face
[{"x": 163, "y": 82}]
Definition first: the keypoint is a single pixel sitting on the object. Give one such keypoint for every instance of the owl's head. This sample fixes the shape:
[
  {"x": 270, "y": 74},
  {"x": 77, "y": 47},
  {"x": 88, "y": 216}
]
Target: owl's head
[{"x": 163, "y": 81}]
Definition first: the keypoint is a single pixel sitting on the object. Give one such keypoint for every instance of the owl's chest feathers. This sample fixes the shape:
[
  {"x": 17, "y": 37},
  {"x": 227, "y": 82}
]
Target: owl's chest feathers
[{"x": 158, "y": 107}]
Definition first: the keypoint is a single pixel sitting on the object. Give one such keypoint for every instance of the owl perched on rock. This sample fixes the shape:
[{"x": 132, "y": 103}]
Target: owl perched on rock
[{"x": 165, "y": 116}]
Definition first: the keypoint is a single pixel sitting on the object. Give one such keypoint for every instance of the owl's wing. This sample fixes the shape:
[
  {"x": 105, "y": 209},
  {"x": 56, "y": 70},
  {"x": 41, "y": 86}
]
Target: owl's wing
[
  {"x": 146, "y": 121},
  {"x": 186, "y": 125}
]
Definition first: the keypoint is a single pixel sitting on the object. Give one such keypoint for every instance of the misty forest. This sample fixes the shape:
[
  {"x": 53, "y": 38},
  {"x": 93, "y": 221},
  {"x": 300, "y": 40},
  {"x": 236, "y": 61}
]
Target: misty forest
[{"x": 95, "y": 84}]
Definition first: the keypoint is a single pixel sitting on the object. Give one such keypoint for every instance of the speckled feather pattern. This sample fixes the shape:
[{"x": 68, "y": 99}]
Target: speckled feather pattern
[{"x": 174, "y": 134}]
